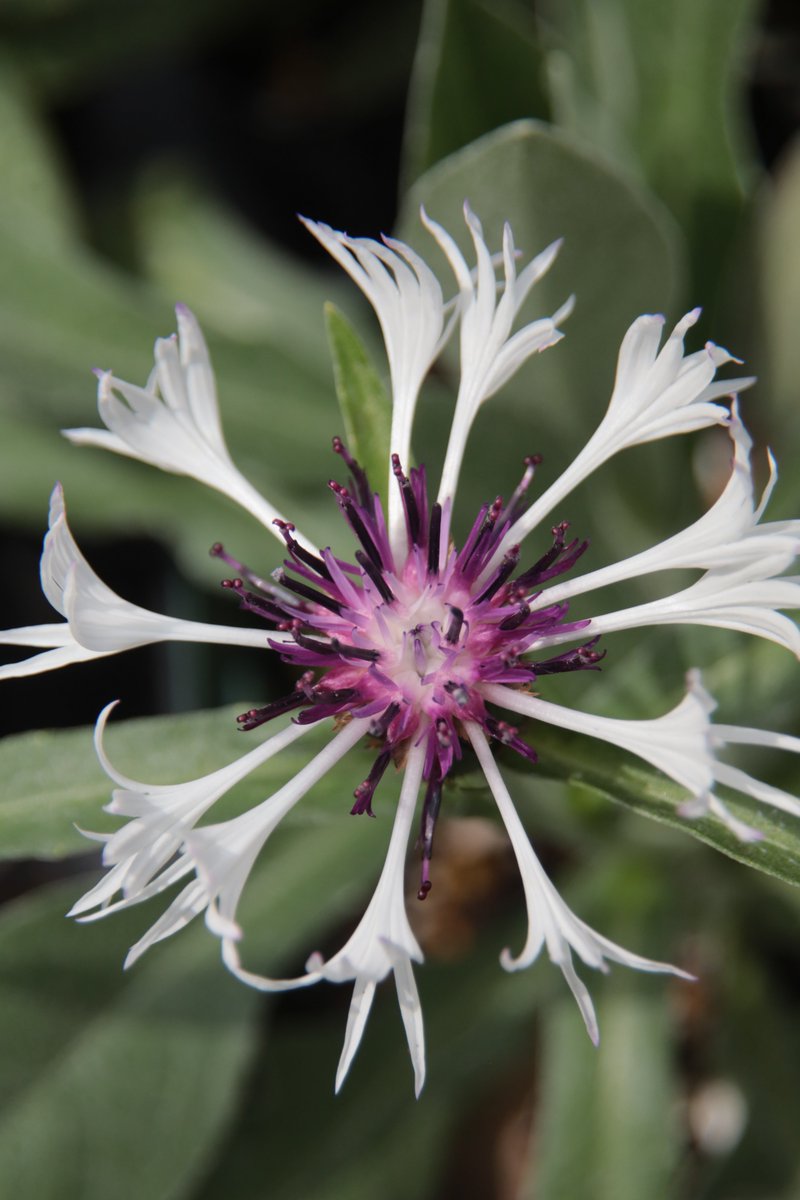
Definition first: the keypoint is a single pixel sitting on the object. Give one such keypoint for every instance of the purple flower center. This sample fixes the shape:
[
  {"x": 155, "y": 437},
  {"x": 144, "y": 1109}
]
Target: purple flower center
[{"x": 409, "y": 639}]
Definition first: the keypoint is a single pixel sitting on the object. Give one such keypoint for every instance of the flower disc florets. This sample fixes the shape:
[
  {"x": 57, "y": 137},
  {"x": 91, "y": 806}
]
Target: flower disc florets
[{"x": 410, "y": 640}]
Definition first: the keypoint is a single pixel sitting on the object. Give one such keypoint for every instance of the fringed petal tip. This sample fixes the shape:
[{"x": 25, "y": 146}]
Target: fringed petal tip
[{"x": 709, "y": 805}]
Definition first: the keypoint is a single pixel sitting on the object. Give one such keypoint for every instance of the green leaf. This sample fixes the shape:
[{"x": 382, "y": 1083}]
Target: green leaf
[
  {"x": 34, "y": 196},
  {"x": 477, "y": 67},
  {"x": 235, "y": 281},
  {"x": 363, "y": 402},
  {"x": 112, "y": 1083},
  {"x": 777, "y": 308},
  {"x": 651, "y": 85},
  {"x": 53, "y": 781},
  {"x": 605, "y": 1118}
]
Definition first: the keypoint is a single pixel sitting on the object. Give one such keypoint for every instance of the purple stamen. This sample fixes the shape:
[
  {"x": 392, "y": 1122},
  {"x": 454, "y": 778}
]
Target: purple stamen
[
  {"x": 374, "y": 573},
  {"x": 353, "y": 517},
  {"x": 454, "y": 626},
  {"x": 360, "y": 481},
  {"x": 507, "y": 567},
  {"x": 309, "y": 593},
  {"x": 366, "y": 790},
  {"x": 434, "y": 535},
  {"x": 430, "y": 814},
  {"x": 263, "y": 585},
  {"x": 409, "y": 502},
  {"x": 516, "y": 504},
  {"x": 407, "y": 645}
]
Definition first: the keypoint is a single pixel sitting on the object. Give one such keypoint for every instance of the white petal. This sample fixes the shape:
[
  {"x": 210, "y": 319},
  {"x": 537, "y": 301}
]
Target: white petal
[
  {"x": 726, "y": 537},
  {"x": 103, "y": 622},
  {"x": 655, "y": 395},
  {"x": 384, "y": 932},
  {"x": 490, "y": 355},
  {"x": 740, "y": 781},
  {"x": 224, "y": 854},
  {"x": 407, "y": 300},
  {"x": 179, "y": 430},
  {"x": 550, "y": 921},
  {"x": 677, "y": 743},
  {"x": 63, "y": 654},
  {"x": 745, "y": 599},
  {"x": 163, "y": 815},
  {"x": 184, "y": 908},
  {"x": 411, "y": 1012},
  {"x": 358, "y": 1013}
]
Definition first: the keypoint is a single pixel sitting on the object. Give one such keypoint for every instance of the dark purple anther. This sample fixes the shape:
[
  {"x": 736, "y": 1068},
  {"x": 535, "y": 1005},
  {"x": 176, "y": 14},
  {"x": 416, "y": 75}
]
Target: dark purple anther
[
  {"x": 309, "y": 593},
  {"x": 366, "y": 790},
  {"x": 430, "y": 814},
  {"x": 413, "y": 523},
  {"x": 454, "y": 625},
  {"x": 361, "y": 486},
  {"x": 507, "y": 567},
  {"x": 434, "y": 535},
  {"x": 374, "y": 573},
  {"x": 519, "y": 617}
]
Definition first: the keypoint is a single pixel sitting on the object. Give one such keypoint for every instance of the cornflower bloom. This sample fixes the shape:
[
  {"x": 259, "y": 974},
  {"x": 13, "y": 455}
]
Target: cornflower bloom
[{"x": 421, "y": 646}]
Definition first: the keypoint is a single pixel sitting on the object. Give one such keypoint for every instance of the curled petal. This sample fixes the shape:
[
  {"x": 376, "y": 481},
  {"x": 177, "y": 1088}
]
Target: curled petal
[
  {"x": 550, "y": 922},
  {"x": 727, "y": 537},
  {"x": 677, "y": 743},
  {"x": 173, "y": 423},
  {"x": 490, "y": 354},
  {"x": 656, "y": 394}
]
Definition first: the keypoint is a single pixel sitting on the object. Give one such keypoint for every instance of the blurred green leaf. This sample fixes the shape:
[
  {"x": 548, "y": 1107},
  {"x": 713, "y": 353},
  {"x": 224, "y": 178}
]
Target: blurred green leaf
[
  {"x": 34, "y": 196},
  {"x": 234, "y": 280},
  {"x": 113, "y": 1084},
  {"x": 652, "y": 86},
  {"x": 364, "y": 404},
  {"x": 477, "y": 67},
  {"x": 605, "y": 1119},
  {"x": 779, "y": 308}
]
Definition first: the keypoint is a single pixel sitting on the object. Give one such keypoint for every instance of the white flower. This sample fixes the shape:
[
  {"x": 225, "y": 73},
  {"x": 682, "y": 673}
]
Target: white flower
[{"x": 420, "y": 642}]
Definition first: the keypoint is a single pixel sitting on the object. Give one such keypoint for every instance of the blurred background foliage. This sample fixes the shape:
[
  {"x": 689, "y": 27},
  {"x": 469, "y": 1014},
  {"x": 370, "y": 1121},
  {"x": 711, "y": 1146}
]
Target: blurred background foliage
[{"x": 154, "y": 153}]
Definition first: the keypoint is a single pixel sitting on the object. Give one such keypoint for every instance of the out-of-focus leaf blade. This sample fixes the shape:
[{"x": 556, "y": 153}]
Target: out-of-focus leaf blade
[
  {"x": 652, "y": 86},
  {"x": 365, "y": 407},
  {"x": 34, "y": 196},
  {"x": 477, "y": 67},
  {"x": 604, "y": 1123},
  {"x": 106, "y": 1063},
  {"x": 780, "y": 303},
  {"x": 112, "y": 1083},
  {"x": 235, "y": 281}
]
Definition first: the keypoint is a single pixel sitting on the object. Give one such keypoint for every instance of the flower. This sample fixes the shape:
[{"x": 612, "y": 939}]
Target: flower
[{"x": 420, "y": 645}]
